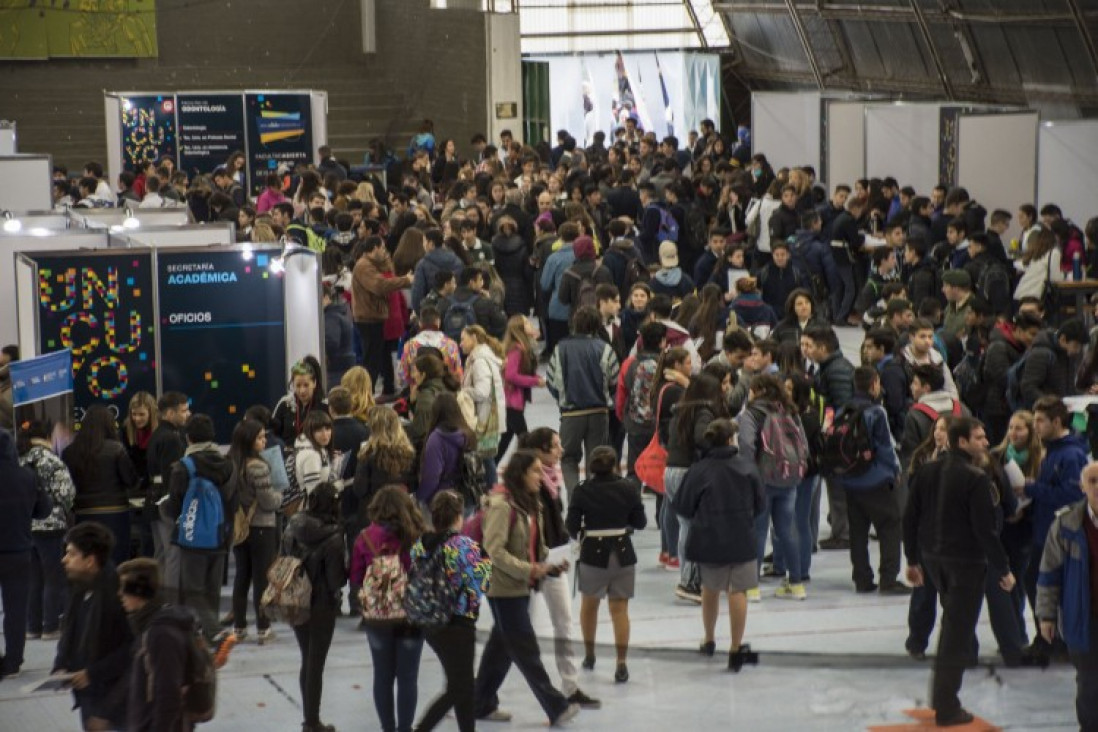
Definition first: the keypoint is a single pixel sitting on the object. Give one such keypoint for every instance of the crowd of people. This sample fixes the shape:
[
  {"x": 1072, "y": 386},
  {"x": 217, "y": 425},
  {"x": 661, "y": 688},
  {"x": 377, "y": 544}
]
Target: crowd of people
[{"x": 680, "y": 305}]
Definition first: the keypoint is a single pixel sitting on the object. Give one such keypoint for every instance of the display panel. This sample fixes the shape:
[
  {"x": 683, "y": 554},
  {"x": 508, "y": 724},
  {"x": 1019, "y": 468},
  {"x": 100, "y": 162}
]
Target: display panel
[
  {"x": 279, "y": 132},
  {"x": 148, "y": 129},
  {"x": 211, "y": 127}
]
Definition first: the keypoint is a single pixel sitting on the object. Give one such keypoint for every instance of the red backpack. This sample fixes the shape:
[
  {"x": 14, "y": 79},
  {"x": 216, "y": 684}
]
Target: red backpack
[
  {"x": 929, "y": 411},
  {"x": 474, "y": 527}
]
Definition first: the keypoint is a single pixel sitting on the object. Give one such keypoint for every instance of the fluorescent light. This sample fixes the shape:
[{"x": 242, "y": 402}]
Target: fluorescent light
[
  {"x": 247, "y": 252},
  {"x": 12, "y": 225}
]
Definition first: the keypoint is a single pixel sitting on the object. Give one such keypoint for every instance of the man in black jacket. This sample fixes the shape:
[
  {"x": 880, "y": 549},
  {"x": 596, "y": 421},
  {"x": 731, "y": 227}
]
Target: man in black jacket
[
  {"x": 200, "y": 570},
  {"x": 950, "y": 538},
  {"x": 20, "y": 501},
  {"x": 1048, "y": 367},
  {"x": 472, "y": 289},
  {"x": 95, "y": 636},
  {"x": 880, "y": 351},
  {"x": 157, "y": 674},
  {"x": 920, "y": 272},
  {"x": 166, "y": 445}
]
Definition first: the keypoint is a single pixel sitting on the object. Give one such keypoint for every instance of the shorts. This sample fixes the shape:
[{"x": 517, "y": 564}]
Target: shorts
[
  {"x": 730, "y": 578},
  {"x": 613, "y": 581}
]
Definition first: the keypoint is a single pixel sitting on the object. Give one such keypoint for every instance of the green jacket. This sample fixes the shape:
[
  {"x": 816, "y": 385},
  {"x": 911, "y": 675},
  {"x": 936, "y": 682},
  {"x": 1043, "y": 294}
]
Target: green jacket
[{"x": 507, "y": 542}]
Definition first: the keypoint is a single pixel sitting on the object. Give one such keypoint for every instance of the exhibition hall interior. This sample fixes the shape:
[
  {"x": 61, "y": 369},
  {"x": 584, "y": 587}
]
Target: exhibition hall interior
[{"x": 719, "y": 310}]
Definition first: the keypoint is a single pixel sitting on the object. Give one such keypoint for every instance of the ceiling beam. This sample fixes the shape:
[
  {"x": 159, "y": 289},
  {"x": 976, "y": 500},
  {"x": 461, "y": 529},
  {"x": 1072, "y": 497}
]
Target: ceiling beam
[
  {"x": 882, "y": 13},
  {"x": 802, "y": 34},
  {"x": 1084, "y": 31},
  {"x": 694, "y": 21},
  {"x": 928, "y": 39}
]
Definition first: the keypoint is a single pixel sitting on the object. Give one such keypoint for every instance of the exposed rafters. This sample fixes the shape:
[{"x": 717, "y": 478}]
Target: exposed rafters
[
  {"x": 928, "y": 39},
  {"x": 798, "y": 25},
  {"x": 1084, "y": 31}
]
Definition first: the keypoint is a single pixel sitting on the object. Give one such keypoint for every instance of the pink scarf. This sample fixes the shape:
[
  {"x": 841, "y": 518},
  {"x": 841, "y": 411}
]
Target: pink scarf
[{"x": 553, "y": 479}]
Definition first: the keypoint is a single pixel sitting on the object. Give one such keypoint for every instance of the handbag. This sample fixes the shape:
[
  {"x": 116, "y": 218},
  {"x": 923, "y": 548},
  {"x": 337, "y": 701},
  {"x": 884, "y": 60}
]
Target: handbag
[
  {"x": 652, "y": 462},
  {"x": 488, "y": 430}
]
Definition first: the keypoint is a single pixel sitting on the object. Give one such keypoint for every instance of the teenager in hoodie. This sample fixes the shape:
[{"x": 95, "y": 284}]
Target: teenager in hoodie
[
  {"x": 438, "y": 258},
  {"x": 920, "y": 350},
  {"x": 750, "y": 309},
  {"x": 447, "y": 437},
  {"x": 484, "y": 383},
  {"x": 163, "y": 633},
  {"x": 201, "y": 570},
  {"x": 513, "y": 264},
  {"x": 315, "y": 536},
  {"x": 931, "y": 401},
  {"x": 1048, "y": 368},
  {"x": 670, "y": 280},
  {"x": 920, "y": 272}
]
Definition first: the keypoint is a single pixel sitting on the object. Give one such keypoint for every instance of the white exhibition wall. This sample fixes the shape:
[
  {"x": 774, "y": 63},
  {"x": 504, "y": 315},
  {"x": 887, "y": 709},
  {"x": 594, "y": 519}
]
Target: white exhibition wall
[
  {"x": 8, "y": 145},
  {"x": 667, "y": 93},
  {"x": 785, "y": 126},
  {"x": 1068, "y": 168},
  {"x": 845, "y": 143},
  {"x": 997, "y": 158},
  {"x": 25, "y": 183},
  {"x": 901, "y": 140},
  {"x": 303, "y": 308}
]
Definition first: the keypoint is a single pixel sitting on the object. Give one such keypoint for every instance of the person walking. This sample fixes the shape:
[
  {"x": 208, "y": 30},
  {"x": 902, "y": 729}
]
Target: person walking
[
  {"x": 47, "y": 576},
  {"x": 468, "y": 572},
  {"x": 259, "y": 501},
  {"x": 513, "y": 537},
  {"x": 722, "y": 495},
  {"x": 315, "y": 536},
  {"x": 520, "y": 376},
  {"x": 602, "y": 515},
  {"x": 395, "y": 647},
  {"x": 949, "y": 537}
]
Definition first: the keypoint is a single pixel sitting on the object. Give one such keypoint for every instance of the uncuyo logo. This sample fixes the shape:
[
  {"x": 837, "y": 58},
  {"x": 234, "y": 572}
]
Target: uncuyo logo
[{"x": 190, "y": 519}]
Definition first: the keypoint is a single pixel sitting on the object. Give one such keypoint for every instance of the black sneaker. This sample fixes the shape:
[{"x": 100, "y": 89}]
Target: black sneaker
[
  {"x": 834, "y": 544},
  {"x": 865, "y": 589},
  {"x": 621, "y": 675},
  {"x": 961, "y": 716},
  {"x": 895, "y": 588},
  {"x": 589, "y": 663},
  {"x": 584, "y": 701}
]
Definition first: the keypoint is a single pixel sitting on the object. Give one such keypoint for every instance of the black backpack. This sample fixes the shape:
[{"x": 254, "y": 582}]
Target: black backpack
[
  {"x": 847, "y": 450},
  {"x": 459, "y": 316}
]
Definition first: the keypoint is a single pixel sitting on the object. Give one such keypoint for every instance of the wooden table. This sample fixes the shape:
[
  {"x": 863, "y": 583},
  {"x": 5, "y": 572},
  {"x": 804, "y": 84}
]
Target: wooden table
[{"x": 1081, "y": 291}]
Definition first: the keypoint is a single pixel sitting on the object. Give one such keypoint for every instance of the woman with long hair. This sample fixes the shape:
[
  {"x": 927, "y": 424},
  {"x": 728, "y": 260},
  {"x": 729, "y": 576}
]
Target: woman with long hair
[
  {"x": 313, "y": 451},
  {"x": 306, "y": 396},
  {"x": 260, "y": 502},
  {"x": 800, "y": 313},
  {"x": 395, "y": 648},
  {"x": 104, "y": 477},
  {"x": 468, "y": 572},
  {"x": 483, "y": 382},
  {"x": 315, "y": 536},
  {"x": 767, "y": 400},
  {"x": 513, "y": 264},
  {"x": 1042, "y": 266},
  {"x": 520, "y": 376},
  {"x": 722, "y": 496},
  {"x": 46, "y": 581},
  {"x": 409, "y": 251},
  {"x": 513, "y": 537},
  {"x": 448, "y": 438},
  {"x": 430, "y": 379},
  {"x": 385, "y": 458},
  {"x": 142, "y": 419},
  {"x": 603, "y": 513},
  {"x": 709, "y": 321},
  {"x": 701, "y": 403},
  {"x": 357, "y": 381},
  {"x": 668, "y": 385}
]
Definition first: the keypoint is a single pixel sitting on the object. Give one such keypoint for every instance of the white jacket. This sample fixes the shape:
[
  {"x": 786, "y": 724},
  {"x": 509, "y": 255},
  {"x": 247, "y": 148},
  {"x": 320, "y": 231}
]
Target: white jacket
[
  {"x": 762, "y": 209},
  {"x": 311, "y": 467},
  {"x": 1032, "y": 283},
  {"x": 483, "y": 375}
]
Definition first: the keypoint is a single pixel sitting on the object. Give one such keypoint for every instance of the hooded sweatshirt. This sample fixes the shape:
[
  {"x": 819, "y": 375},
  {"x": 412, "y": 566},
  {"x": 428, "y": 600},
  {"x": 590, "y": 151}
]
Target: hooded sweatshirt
[
  {"x": 157, "y": 672},
  {"x": 1057, "y": 483},
  {"x": 936, "y": 359},
  {"x": 440, "y": 463},
  {"x": 671, "y": 282},
  {"x": 440, "y": 259},
  {"x": 320, "y": 547},
  {"x": 210, "y": 464}
]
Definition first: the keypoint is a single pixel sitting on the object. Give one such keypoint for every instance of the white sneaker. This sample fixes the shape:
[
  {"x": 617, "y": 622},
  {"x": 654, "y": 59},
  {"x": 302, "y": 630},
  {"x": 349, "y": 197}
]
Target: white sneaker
[
  {"x": 566, "y": 716},
  {"x": 265, "y": 636}
]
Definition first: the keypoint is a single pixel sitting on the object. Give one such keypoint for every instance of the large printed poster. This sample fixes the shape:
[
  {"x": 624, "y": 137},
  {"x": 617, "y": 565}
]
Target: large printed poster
[
  {"x": 148, "y": 129},
  {"x": 222, "y": 332},
  {"x": 279, "y": 132},
  {"x": 101, "y": 307},
  {"x": 37, "y": 29},
  {"x": 211, "y": 127}
]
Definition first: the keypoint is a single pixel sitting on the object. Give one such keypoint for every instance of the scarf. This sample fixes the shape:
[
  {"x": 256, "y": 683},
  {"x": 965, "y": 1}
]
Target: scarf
[
  {"x": 552, "y": 478},
  {"x": 1020, "y": 457}
]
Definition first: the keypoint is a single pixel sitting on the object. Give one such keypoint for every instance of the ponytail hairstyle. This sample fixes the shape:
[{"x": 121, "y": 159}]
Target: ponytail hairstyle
[
  {"x": 482, "y": 338},
  {"x": 668, "y": 359},
  {"x": 310, "y": 366}
]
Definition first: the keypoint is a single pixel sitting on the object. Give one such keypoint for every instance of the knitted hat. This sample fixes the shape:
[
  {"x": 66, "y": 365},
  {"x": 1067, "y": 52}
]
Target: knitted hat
[
  {"x": 584, "y": 248},
  {"x": 957, "y": 278}
]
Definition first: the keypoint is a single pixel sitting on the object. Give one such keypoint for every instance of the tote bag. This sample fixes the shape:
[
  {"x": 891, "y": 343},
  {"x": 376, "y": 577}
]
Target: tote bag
[{"x": 652, "y": 461}]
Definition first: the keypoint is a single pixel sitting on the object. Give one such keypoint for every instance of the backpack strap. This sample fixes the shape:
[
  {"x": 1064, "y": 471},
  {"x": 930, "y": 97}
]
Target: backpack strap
[
  {"x": 188, "y": 463},
  {"x": 929, "y": 411},
  {"x": 956, "y": 408}
]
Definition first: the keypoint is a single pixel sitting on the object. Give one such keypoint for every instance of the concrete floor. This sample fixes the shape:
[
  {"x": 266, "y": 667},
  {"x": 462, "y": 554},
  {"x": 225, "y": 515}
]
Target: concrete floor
[{"x": 833, "y": 662}]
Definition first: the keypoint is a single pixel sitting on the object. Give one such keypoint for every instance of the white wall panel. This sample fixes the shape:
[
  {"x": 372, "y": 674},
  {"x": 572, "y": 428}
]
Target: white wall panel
[
  {"x": 901, "y": 140},
  {"x": 1068, "y": 169},
  {"x": 997, "y": 158},
  {"x": 786, "y": 127}
]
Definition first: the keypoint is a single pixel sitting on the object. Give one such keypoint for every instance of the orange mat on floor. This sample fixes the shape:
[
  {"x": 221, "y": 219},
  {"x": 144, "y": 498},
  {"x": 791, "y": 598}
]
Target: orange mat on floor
[{"x": 924, "y": 720}]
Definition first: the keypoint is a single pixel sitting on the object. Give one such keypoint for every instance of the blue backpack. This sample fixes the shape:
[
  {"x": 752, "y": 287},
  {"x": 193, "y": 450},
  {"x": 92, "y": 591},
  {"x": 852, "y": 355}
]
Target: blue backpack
[
  {"x": 669, "y": 227},
  {"x": 202, "y": 517},
  {"x": 430, "y": 599},
  {"x": 1015, "y": 399},
  {"x": 459, "y": 316}
]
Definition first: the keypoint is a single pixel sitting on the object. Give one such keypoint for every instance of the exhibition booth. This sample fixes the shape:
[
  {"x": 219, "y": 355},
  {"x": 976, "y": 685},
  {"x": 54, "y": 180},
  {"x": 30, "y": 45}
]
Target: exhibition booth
[
  {"x": 668, "y": 93},
  {"x": 200, "y": 130}
]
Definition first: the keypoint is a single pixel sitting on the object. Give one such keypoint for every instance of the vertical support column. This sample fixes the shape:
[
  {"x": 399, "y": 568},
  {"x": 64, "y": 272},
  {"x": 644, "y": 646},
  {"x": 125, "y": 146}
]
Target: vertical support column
[{"x": 503, "y": 48}]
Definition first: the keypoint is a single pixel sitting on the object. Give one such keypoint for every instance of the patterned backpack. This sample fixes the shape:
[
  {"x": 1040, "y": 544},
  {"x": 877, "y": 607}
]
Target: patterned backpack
[
  {"x": 289, "y": 592},
  {"x": 430, "y": 598},
  {"x": 383, "y": 587}
]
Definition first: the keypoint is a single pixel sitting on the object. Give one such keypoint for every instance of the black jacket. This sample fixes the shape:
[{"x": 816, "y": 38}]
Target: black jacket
[
  {"x": 321, "y": 548},
  {"x": 1047, "y": 370},
  {"x": 157, "y": 673},
  {"x": 489, "y": 315},
  {"x": 923, "y": 282},
  {"x": 211, "y": 464},
  {"x": 606, "y": 502},
  {"x": 20, "y": 500},
  {"x": 684, "y": 453},
  {"x": 109, "y": 481},
  {"x": 897, "y": 393},
  {"x": 348, "y": 434},
  {"x": 951, "y": 515},
  {"x": 777, "y": 283},
  {"x": 1003, "y": 351},
  {"x": 339, "y": 345},
  {"x": 835, "y": 380},
  {"x": 166, "y": 445},
  {"x": 784, "y": 223},
  {"x": 721, "y": 495},
  {"x": 96, "y": 636},
  {"x": 513, "y": 264}
]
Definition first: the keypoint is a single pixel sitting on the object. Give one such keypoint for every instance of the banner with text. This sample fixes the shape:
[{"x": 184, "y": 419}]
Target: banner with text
[
  {"x": 211, "y": 127},
  {"x": 222, "y": 332},
  {"x": 148, "y": 130},
  {"x": 100, "y": 306},
  {"x": 280, "y": 131},
  {"x": 42, "y": 392}
]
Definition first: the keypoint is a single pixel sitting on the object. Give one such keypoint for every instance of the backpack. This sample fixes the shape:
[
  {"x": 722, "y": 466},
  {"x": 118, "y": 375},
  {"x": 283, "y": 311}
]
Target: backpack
[
  {"x": 585, "y": 297},
  {"x": 635, "y": 272},
  {"x": 201, "y": 523},
  {"x": 669, "y": 227},
  {"x": 383, "y": 586},
  {"x": 430, "y": 598},
  {"x": 289, "y": 592},
  {"x": 1014, "y": 381},
  {"x": 294, "y": 495},
  {"x": 459, "y": 316},
  {"x": 474, "y": 527},
  {"x": 846, "y": 447},
  {"x": 471, "y": 477},
  {"x": 781, "y": 448},
  {"x": 638, "y": 409},
  {"x": 933, "y": 414},
  {"x": 996, "y": 287},
  {"x": 315, "y": 242},
  {"x": 199, "y": 679},
  {"x": 969, "y": 378}
]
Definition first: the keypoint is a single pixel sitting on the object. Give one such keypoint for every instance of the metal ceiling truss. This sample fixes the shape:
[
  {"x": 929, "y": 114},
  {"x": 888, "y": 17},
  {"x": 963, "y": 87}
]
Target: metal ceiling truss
[{"x": 870, "y": 12}]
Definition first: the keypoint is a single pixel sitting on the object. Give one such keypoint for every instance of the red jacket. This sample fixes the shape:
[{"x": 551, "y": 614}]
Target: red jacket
[{"x": 397, "y": 322}]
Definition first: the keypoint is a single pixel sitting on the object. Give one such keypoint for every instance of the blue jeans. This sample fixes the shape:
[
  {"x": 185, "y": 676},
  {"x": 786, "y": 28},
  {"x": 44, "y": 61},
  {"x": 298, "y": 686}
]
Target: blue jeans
[
  {"x": 395, "y": 651},
  {"x": 807, "y": 508},
  {"x": 781, "y": 506},
  {"x": 490, "y": 474},
  {"x": 48, "y": 588},
  {"x": 669, "y": 522}
]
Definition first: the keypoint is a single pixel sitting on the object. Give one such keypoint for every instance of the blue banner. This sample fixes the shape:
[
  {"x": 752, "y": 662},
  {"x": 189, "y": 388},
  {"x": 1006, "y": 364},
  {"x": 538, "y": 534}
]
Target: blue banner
[{"x": 36, "y": 379}]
